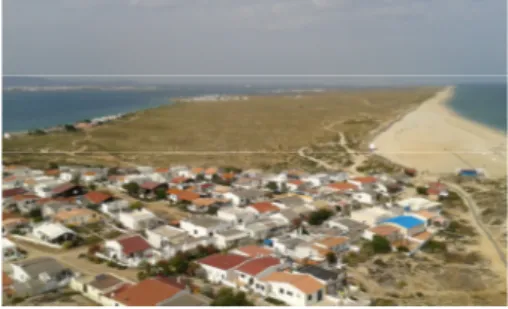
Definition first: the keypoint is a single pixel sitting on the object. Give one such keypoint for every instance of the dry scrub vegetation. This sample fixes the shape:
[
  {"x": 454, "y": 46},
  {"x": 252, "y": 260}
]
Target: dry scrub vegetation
[{"x": 277, "y": 123}]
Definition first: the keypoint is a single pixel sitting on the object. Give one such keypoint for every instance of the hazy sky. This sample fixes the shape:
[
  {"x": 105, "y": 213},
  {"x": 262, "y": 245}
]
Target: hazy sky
[{"x": 254, "y": 36}]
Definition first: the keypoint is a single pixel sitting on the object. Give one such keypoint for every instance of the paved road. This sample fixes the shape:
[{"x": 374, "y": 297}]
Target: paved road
[{"x": 471, "y": 203}]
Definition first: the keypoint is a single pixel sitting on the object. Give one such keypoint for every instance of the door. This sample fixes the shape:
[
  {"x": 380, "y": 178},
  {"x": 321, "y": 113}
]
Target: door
[{"x": 320, "y": 295}]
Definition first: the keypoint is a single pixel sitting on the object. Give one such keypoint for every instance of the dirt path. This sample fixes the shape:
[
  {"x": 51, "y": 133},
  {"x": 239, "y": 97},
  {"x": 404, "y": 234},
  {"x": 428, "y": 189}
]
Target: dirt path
[
  {"x": 358, "y": 159},
  {"x": 70, "y": 259},
  {"x": 496, "y": 252}
]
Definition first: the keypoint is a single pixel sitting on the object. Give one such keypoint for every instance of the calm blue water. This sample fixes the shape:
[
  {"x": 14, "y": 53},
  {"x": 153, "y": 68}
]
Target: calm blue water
[
  {"x": 31, "y": 110},
  {"x": 485, "y": 104}
]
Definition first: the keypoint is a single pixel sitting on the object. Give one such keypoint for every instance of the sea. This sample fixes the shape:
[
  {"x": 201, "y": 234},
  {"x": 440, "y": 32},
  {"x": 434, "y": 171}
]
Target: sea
[
  {"x": 28, "y": 110},
  {"x": 482, "y": 103}
]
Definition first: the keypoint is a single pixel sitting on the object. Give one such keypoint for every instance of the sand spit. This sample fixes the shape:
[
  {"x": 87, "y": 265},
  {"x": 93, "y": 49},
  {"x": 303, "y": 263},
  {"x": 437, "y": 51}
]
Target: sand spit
[{"x": 435, "y": 139}]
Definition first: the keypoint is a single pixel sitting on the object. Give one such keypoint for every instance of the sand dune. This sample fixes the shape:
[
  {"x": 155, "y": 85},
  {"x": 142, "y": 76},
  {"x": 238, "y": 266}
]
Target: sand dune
[{"x": 435, "y": 139}]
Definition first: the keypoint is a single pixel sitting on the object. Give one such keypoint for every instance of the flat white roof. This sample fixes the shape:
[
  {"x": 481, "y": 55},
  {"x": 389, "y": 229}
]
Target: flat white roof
[
  {"x": 6, "y": 243},
  {"x": 418, "y": 203},
  {"x": 53, "y": 230},
  {"x": 139, "y": 214},
  {"x": 369, "y": 216}
]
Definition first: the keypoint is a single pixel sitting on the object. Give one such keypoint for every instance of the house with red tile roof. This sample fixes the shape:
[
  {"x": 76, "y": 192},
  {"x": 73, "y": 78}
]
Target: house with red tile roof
[
  {"x": 130, "y": 250},
  {"x": 263, "y": 208},
  {"x": 67, "y": 190},
  {"x": 96, "y": 198},
  {"x": 25, "y": 203},
  {"x": 292, "y": 288},
  {"x": 343, "y": 187},
  {"x": 149, "y": 189},
  {"x": 253, "y": 251},
  {"x": 177, "y": 195},
  {"x": 149, "y": 292},
  {"x": 219, "y": 268},
  {"x": 248, "y": 274}
]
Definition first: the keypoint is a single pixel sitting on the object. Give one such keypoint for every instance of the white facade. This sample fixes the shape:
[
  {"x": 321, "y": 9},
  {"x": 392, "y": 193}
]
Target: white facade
[
  {"x": 362, "y": 197},
  {"x": 195, "y": 229},
  {"x": 114, "y": 251},
  {"x": 236, "y": 215},
  {"x": 290, "y": 294},
  {"x": 137, "y": 220}
]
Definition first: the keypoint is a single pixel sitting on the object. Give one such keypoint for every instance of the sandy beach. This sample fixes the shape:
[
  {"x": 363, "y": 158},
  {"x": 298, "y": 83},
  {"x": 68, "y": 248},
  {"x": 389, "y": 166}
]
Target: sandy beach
[{"x": 433, "y": 138}]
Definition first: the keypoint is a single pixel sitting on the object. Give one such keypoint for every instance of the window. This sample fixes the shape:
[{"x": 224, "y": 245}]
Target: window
[
  {"x": 242, "y": 275},
  {"x": 309, "y": 297},
  {"x": 289, "y": 293},
  {"x": 195, "y": 231},
  {"x": 281, "y": 291}
]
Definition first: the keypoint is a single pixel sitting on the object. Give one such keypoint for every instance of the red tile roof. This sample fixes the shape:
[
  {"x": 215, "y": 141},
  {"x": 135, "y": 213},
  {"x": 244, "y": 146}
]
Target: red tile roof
[
  {"x": 180, "y": 179},
  {"x": 133, "y": 243},
  {"x": 63, "y": 187},
  {"x": 23, "y": 197},
  {"x": 12, "y": 192},
  {"x": 150, "y": 185},
  {"x": 223, "y": 261},
  {"x": 6, "y": 280},
  {"x": 255, "y": 251},
  {"x": 53, "y": 172},
  {"x": 296, "y": 182},
  {"x": 264, "y": 207},
  {"x": 149, "y": 292},
  {"x": 254, "y": 267},
  {"x": 184, "y": 195},
  {"x": 343, "y": 186},
  {"x": 97, "y": 197},
  {"x": 364, "y": 180}
]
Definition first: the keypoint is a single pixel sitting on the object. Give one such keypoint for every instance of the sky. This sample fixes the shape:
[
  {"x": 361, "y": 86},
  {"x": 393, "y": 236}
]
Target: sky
[{"x": 121, "y": 37}]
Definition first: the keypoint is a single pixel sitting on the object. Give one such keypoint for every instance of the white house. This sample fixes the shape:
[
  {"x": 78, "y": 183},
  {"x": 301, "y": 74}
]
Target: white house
[
  {"x": 363, "y": 198},
  {"x": 138, "y": 220},
  {"x": 229, "y": 238},
  {"x": 53, "y": 233},
  {"x": 115, "y": 207},
  {"x": 170, "y": 240},
  {"x": 44, "y": 189},
  {"x": 248, "y": 274},
  {"x": 43, "y": 274},
  {"x": 219, "y": 268},
  {"x": 291, "y": 288},
  {"x": 99, "y": 288},
  {"x": 204, "y": 226},
  {"x": 10, "y": 251},
  {"x": 236, "y": 215},
  {"x": 419, "y": 203},
  {"x": 130, "y": 250}
]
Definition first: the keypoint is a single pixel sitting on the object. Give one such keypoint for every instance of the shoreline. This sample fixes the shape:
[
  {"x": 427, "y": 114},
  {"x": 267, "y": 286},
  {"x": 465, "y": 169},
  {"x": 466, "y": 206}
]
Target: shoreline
[{"x": 435, "y": 139}]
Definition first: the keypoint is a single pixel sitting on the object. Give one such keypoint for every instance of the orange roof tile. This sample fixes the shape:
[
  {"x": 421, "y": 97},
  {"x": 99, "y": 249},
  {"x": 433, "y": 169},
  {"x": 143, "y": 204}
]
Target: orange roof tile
[
  {"x": 384, "y": 230},
  {"x": 204, "y": 202},
  {"x": 426, "y": 214},
  {"x": 97, "y": 197},
  {"x": 179, "y": 179},
  {"x": 264, "y": 207},
  {"x": 197, "y": 170},
  {"x": 228, "y": 176},
  {"x": 305, "y": 283},
  {"x": 423, "y": 236},
  {"x": 90, "y": 173},
  {"x": 333, "y": 241},
  {"x": 52, "y": 172},
  {"x": 255, "y": 251},
  {"x": 162, "y": 170},
  {"x": 23, "y": 197},
  {"x": 343, "y": 186},
  {"x": 183, "y": 194},
  {"x": 211, "y": 171},
  {"x": 148, "y": 292}
]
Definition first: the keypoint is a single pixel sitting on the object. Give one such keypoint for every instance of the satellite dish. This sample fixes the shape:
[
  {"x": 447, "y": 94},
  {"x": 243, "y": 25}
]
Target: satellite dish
[{"x": 372, "y": 147}]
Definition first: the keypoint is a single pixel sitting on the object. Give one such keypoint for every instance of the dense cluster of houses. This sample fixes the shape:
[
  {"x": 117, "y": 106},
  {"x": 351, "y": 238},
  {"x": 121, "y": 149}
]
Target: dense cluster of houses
[{"x": 263, "y": 220}]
